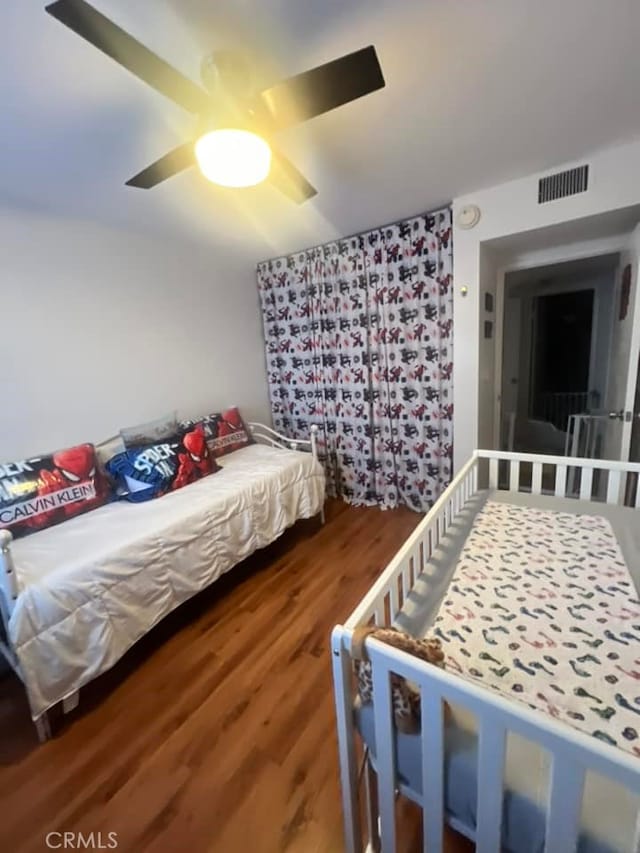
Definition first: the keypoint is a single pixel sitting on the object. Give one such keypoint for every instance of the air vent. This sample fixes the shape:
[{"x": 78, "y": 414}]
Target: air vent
[{"x": 562, "y": 184}]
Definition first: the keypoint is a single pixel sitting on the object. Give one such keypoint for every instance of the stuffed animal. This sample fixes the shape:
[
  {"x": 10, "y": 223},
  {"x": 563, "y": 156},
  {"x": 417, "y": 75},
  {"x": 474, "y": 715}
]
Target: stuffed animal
[{"x": 405, "y": 696}]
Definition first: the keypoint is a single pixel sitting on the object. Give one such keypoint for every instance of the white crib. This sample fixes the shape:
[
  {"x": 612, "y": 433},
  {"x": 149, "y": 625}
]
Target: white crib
[{"x": 573, "y": 753}]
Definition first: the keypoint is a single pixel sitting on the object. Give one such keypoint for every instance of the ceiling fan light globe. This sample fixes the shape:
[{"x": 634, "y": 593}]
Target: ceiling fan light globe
[{"x": 233, "y": 158}]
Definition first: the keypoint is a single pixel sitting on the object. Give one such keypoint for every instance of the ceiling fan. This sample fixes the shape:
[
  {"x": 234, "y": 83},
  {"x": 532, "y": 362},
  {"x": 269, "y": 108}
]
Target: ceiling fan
[{"x": 233, "y": 144}]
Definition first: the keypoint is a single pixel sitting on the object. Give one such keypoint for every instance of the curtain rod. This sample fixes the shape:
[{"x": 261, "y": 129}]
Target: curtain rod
[{"x": 438, "y": 209}]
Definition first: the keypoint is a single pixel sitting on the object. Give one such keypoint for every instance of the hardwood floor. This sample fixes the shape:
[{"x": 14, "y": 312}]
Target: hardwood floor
[{"x": 216, "y": 732}]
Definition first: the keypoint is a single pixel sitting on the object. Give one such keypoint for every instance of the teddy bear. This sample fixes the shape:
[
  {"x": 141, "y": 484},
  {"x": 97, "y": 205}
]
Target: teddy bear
[{"x": 405, "y": 696}]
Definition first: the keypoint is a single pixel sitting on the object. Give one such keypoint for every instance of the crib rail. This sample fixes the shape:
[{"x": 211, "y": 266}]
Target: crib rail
[
  {"x": 573, "y": 753},
  {"x": 585, "y": 479},
  {"x": 386, "y": 597},
  {"x": 564, "y": 477}
]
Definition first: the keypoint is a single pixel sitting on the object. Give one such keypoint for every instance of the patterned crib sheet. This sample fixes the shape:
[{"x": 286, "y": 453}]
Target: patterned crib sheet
[{"x": 542, "y": 608}]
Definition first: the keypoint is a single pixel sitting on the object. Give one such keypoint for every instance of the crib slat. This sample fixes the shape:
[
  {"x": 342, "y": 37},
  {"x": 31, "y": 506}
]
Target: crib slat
[
  {"x": 563, "y": 808},
  {"x": 418, "y": 556},
  {"x": 383, "y": 716},
  {"x": 432, "y": 728},
  {"x": 343, "y": 691},
  {"x": 586, "y": 484},
  {"x": 404, "y": 579},
  {"x": 371, "y": 802},
  {"x": 412, "y": 573},
  {"x": 394, "y": 605},
  {"x": 561, "y": 481},
  {"x": 428, "y": 544},
  {"x": 493, "y": 473},
  {"x": 490, "y": 792},
  {"x": 536, "y": 478},
  {"x": 613, "y": 487},
  {"x": 514, "y": 476}
]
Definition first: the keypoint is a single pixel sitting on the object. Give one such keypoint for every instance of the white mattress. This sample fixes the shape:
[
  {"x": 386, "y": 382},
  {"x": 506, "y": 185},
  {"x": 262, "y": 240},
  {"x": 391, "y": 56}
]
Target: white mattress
[{"x": 94, "y": 585}]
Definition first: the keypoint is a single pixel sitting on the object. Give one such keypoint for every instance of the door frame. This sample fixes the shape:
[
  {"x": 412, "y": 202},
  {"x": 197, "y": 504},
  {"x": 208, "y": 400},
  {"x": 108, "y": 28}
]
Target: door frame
[
  {"x": 531, "y": 260},
  {"x": 634, "y": 348}
]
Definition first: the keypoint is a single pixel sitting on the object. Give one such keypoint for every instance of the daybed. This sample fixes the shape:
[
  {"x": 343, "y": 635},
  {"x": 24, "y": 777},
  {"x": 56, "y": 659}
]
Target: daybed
[
  {"x": 75, "y": 597},
  {"x": 528, "y": 739}
]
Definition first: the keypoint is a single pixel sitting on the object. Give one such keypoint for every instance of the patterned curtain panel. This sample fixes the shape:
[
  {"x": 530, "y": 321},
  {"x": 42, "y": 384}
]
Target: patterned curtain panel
[{"x": 359, "y": 341}]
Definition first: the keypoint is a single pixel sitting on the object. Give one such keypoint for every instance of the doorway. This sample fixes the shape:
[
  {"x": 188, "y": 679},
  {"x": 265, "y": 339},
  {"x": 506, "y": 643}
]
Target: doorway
[
  {"x": 556, "y": 356},
  {"x": 561, "y": 356}
]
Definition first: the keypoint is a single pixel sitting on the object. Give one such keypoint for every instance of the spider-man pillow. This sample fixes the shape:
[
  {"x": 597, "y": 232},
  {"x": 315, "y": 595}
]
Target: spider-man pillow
[
  {"x": 45, "y": 490},
  {"x": 143, "y": 473},
  {"x": 225, "y": 431}
]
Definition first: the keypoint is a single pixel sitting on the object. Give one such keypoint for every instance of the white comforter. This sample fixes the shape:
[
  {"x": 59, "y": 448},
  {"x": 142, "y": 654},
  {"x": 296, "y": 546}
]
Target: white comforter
[{"x": 93, "y": 586}]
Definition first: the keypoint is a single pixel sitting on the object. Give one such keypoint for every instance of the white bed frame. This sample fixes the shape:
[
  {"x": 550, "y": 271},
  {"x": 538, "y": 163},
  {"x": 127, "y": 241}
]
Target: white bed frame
[
  {"x": 573, "y": 752},
  {"x": 10, "y": 579}
]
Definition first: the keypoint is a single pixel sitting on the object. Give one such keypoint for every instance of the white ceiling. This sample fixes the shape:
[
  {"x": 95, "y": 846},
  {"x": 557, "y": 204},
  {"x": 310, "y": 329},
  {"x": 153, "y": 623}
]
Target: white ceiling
[{"x": 478, "y": 92}]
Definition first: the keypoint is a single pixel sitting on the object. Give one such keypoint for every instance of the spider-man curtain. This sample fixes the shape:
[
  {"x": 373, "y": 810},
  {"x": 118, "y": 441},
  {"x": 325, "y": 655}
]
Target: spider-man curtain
[{"x": 359, "y": 341}]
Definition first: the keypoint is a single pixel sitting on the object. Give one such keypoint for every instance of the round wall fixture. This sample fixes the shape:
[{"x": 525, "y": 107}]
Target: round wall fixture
[{"x": 468, "y": 216}]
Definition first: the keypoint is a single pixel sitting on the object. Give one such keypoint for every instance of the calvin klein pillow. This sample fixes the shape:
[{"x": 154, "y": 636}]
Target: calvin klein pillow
[{"x": 45, "y": 490}]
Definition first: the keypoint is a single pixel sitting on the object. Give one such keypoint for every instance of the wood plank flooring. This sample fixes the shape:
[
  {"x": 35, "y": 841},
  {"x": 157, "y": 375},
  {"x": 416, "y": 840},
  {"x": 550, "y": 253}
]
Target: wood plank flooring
[{"x": 216, "y": 732}]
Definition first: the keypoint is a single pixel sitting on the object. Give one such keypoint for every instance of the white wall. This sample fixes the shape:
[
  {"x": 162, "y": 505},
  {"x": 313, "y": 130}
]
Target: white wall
[
  {"x": 103, "y": 328},
  {"x": 509, "y": 209},
  {"x": 486, "y": 350}
]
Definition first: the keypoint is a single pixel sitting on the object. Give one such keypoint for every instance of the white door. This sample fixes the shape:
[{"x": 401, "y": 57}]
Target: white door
[{"x": 625, "y": 349}]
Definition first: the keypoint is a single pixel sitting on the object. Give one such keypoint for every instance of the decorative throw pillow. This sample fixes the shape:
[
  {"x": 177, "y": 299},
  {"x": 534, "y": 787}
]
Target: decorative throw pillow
[
  {"x": 147, "y": 472},
  {"x": 225, "y": 431},
  {"x": 45, "y": 490},
  {"x": 152, "y": 432}
]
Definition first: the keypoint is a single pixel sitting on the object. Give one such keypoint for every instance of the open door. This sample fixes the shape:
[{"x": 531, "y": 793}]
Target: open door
[{"x": 625, "y": 351}]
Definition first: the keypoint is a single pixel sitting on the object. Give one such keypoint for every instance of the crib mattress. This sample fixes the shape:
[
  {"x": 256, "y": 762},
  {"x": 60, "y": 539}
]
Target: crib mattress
[
  {"x": 609, "y": 811},
  {"x": 91, "y": 587}
]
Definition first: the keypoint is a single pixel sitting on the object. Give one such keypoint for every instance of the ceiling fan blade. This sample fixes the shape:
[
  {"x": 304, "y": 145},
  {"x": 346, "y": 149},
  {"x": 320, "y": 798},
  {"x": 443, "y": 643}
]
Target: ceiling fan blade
[
  {"x": 175, "y": 161},
  {"x": 288, "y": 179},
  {"x": 323, "y": 88},
  {"x": 95, "y": 28}
]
